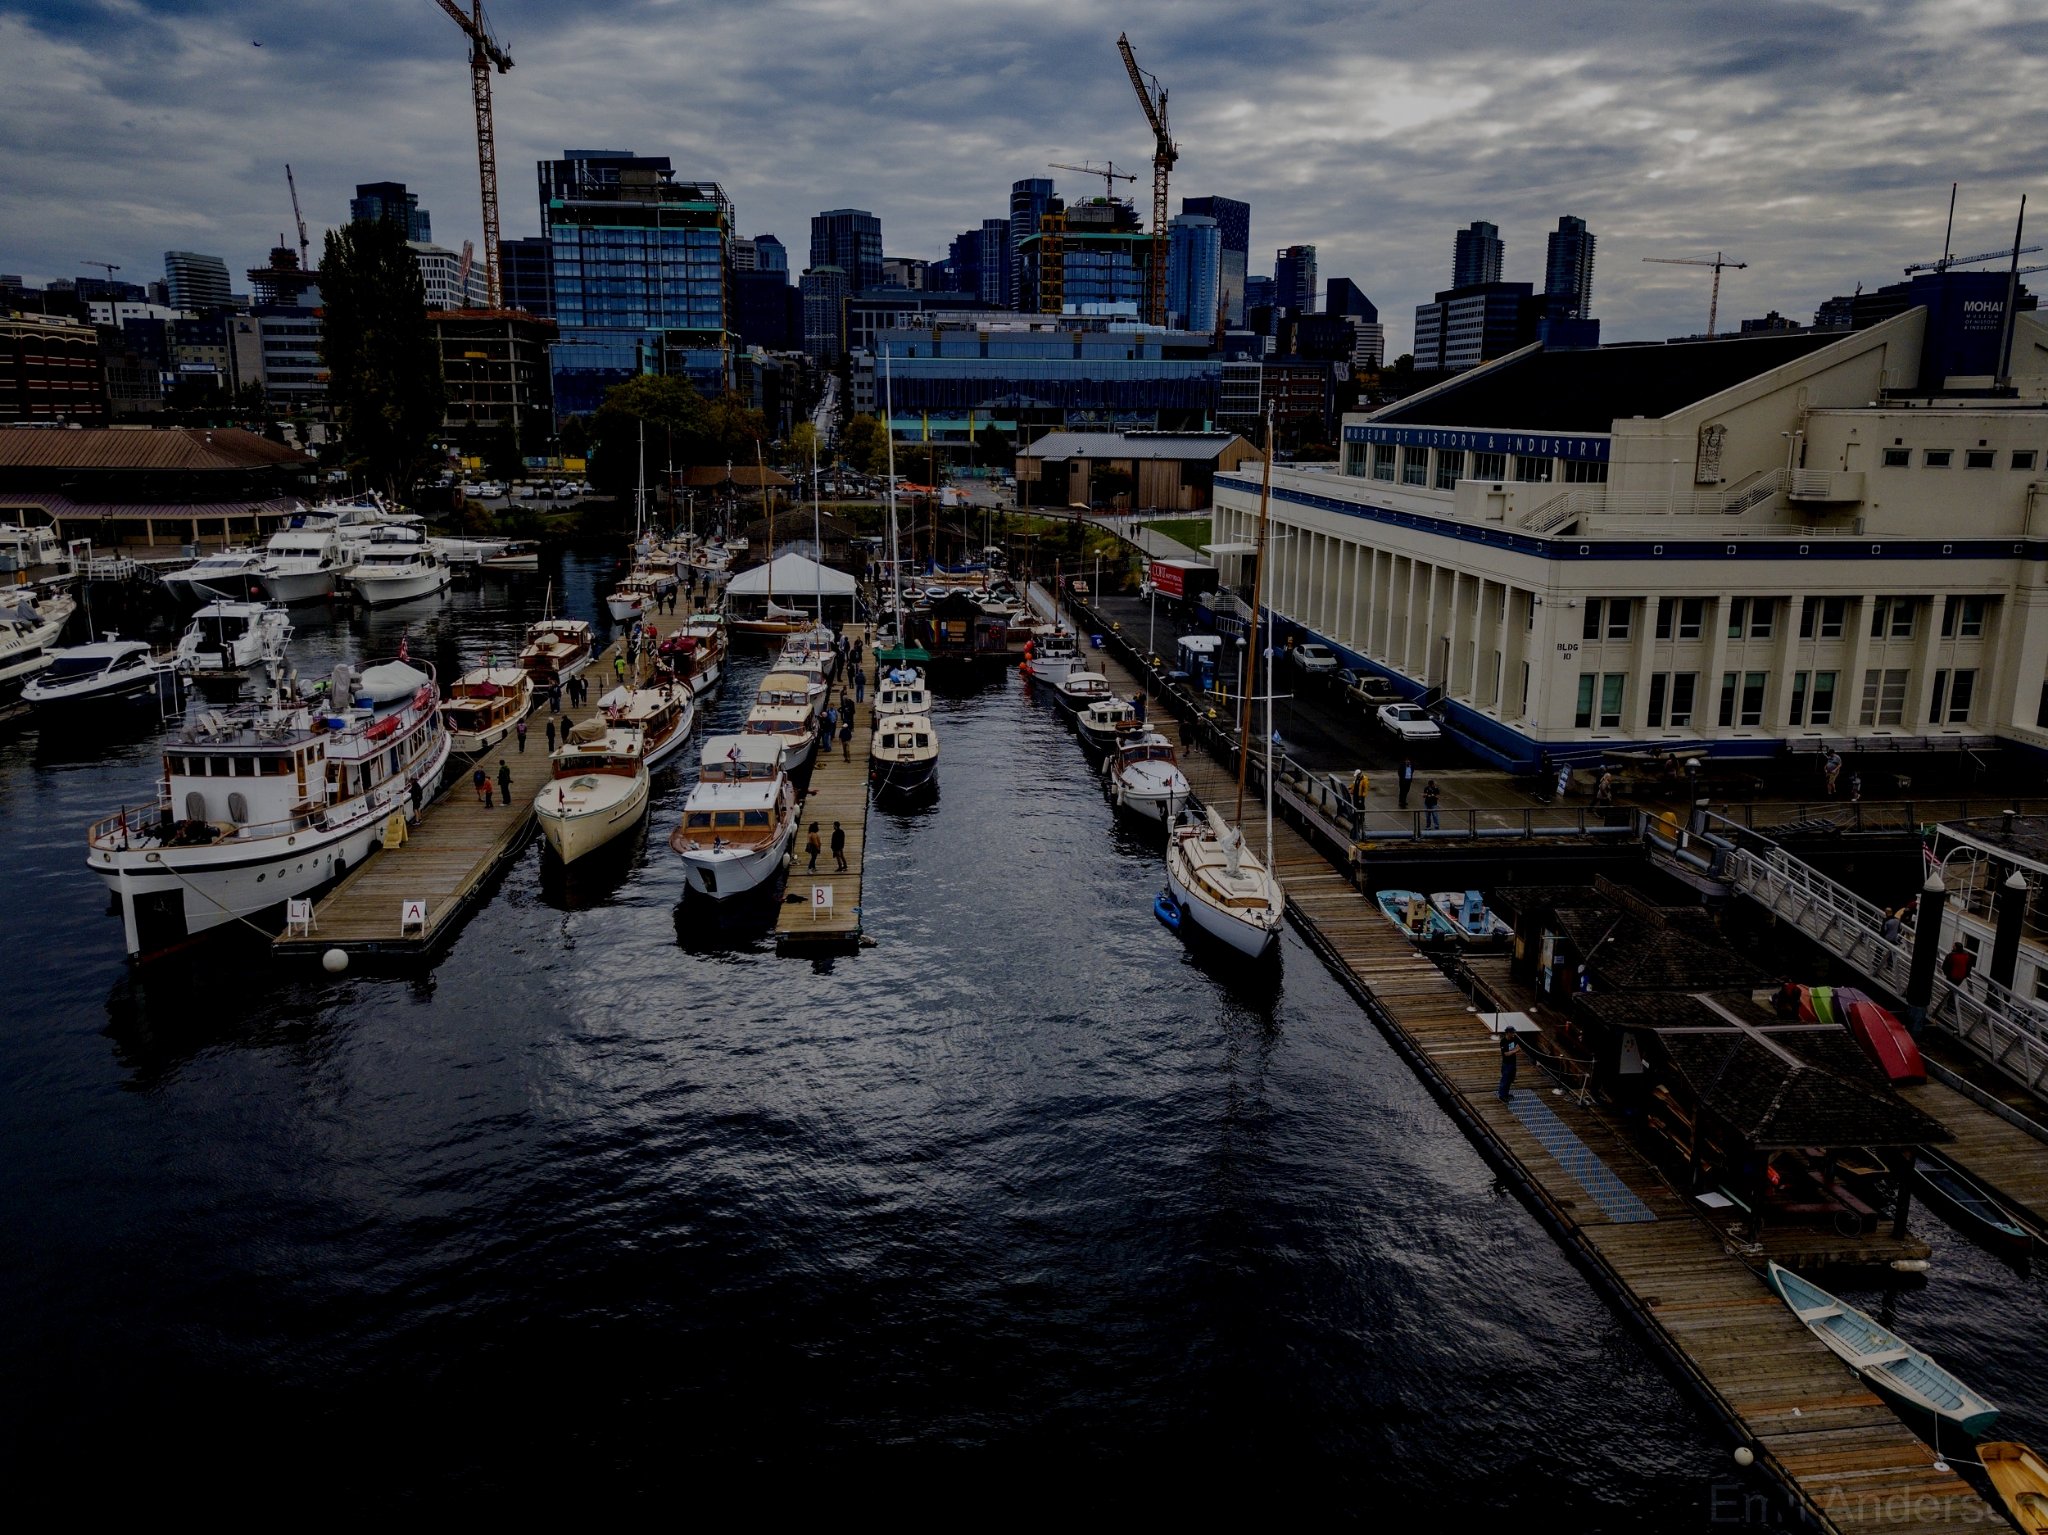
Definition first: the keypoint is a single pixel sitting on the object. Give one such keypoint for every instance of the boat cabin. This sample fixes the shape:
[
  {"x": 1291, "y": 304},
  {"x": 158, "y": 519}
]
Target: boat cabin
[
  {"x": 482, "y": 699},
  {"x": 904, "y": 736},
  {"x": 737, "y": 758},
  {"x": 741, "y": 814},
  {"x": 594, "y": 747}
]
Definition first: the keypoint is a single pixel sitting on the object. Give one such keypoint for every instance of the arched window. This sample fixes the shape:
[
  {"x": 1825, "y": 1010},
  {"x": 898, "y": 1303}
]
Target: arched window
[
  {"x": 195, "y": 806},
  {"x": 238, "y": 809}
]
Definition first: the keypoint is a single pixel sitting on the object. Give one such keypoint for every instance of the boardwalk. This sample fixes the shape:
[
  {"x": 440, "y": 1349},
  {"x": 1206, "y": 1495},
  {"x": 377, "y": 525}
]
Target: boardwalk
[
  {"x": 838, "y": 792},
  {"x": 1836, "y": 1451}
]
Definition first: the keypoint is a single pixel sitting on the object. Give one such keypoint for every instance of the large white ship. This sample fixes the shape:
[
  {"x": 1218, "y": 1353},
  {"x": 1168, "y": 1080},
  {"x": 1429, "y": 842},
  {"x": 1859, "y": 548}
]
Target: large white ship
[{"x": 268, "y": 801}]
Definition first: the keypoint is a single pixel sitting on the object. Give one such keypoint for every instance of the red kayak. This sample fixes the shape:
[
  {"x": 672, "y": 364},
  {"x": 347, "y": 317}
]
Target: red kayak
[{"x": 1886, "y": 1041}]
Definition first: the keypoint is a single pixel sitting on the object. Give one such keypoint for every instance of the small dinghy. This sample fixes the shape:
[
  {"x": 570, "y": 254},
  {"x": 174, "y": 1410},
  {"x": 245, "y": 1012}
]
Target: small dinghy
[
  {"x": 1468, "y": 913},
  {"x": 1924, "y": 1394},
  {"x": 2022, "y": 1481},
  {"x": 1410, "y": 911},
  {"x": 1967, "y": 1207}
]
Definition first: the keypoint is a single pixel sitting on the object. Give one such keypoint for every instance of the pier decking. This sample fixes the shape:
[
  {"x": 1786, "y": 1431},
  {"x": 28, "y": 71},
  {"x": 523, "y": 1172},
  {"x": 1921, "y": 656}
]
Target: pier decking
[
  {"x": 838, "y": 792},
  {"x": 1837, "y": 1452}
]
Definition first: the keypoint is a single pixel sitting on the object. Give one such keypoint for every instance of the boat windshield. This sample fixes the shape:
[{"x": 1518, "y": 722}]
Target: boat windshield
[{"x": 78, "y": 666}]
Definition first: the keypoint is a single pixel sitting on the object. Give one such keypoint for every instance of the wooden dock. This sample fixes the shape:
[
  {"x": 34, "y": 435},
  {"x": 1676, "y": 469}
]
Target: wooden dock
[
  {"x": 454, "y": 849},
  {"x": 1837, "y": 1453},
  {"x": 806, "y": 923}
]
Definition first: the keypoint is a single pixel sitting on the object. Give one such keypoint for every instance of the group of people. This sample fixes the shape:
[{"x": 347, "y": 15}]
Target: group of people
[
  {"x": 814, "y": 846},
  {"x": 1831, "y": 778},
  {"x": 1361, "y": 786},
  {"x": 480, "y": 781},
  {"x": 576, "y": 689}
]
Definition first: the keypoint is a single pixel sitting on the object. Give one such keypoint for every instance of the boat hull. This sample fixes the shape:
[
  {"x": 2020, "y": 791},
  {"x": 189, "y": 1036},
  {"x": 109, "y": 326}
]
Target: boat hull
[
  {"x": 299, "y": 585},
  {"x": 904, "y": 778},
  {"x": 1249, "y": 937},
  {"x": 1149, "y": 802},
  {"x": 388, "y": 593},
  {"x": 1968, "y": 1207},
  {"x": 577, "y": 831},
  {"x": 722, "y": 876},
  {"x": 2021, "y": 1478}
]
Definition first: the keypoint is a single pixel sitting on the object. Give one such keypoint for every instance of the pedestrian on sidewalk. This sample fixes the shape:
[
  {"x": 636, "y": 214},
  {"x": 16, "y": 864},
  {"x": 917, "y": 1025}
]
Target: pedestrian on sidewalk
[
  {"x": 813, "y": 847},
  {"x": 519, "y": 730},
  {"x": 1430, "y": 796},
  {"x": 839, "y": 845},
  {"x": 1510, "y": 1054},
  {"x": 1407, "y": 779}
]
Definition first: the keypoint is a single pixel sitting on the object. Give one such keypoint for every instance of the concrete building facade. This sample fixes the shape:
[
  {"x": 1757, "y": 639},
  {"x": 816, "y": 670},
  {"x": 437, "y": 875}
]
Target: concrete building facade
[{"x": 1743, "y": 546}]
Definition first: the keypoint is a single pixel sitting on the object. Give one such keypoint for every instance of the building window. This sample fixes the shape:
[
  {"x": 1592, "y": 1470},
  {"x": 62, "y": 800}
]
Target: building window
[
  {"x": 1582, "y": 717},
  {"x": 1980, "y": 458},
  {"x": 1355, "y": 456},
  {"x": 1383, "y": 462},
  {"x": 1524, "y": 709},
  {"x": 1612, "y": 686},
  {"x": 2023, "y": 458},
  {"x": 1897, "y": 458},
  {"x": 1581, "y": 472},
  {"x": 1892, "y": 617},
  {"x": 1727, "y": 714},
  {"x": 1822, "y": 711},
  {"x": 1489, "y": 466},
  {"x": 1533, "y": 471},
  {"x": 1415, "y": 466},
  {"x": 1938, "y": 458},
  {"x": 1672, "y": 692},
  {"x": 1822, "y": 616},
  {"x": 1762, "y": 616},
  {"x": 1616, "y": 612},
  {"x": 1450, "y": 468},
  {"x": 1884, "y": 696},
  {"x": 1962, "y": 618},
  {"x": 1738, "y": 610},
  {"x": 1753, "y": 698},
  {"x": 1952, "y": 698}
]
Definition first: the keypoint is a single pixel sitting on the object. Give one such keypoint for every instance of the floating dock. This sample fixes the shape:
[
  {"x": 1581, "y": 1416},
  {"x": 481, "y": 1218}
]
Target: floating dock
[
  {"x": 1838, "y": 1454},
  {"x": 809, "y": 922}
]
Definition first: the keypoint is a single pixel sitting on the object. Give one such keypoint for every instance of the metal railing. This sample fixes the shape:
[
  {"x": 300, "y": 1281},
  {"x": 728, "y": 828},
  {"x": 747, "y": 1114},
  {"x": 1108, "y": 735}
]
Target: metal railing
[{"x": 1995, "y": 1023}]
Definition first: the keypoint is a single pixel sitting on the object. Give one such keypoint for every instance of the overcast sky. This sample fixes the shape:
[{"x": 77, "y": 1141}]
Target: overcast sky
[{"x": 1814, "y": 139}]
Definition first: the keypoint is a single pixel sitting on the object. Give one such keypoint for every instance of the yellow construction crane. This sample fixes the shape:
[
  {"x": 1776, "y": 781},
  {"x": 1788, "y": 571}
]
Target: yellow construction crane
[
  {"x": 1152, "y": 97},
  {"x": 484, "y": 53},
  {"x": 1716, "y": 261},
  {"x": 1108, "y": 174}
]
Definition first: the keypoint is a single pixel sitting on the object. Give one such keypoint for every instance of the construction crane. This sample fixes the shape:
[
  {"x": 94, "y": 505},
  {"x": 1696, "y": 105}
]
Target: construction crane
[
  {"x": 1108, "y": 175},
  {"x": 1948, "y": 261},
  {"x": 1716, "y": 261},
  {"x": 484, "y": 53},
  {"x": 1152, "y": 97},
  {"x": 305, "y": 245}
]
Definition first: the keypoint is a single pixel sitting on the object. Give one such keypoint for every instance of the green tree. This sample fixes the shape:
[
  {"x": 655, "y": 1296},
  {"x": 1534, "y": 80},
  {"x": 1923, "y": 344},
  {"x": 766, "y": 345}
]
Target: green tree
[
  {"x": 803, "y": 445},
  {"x": 383, "y": 370},
  {"x": 862, "y": 445},
  {"x": 670, "y": 408},
  {"x": 733, "y": 432}
]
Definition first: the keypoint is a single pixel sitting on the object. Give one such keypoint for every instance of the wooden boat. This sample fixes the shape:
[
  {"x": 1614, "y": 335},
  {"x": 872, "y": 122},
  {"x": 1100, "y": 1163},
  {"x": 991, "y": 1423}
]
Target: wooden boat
[
  {"x": 696, "y": 653},
  {"x": 903, "y": 754},
  {"x": 1966, "y": 1206},
  {"x": 598, "y": 792},
  {"x": 1410, "y": 911},
  {"x": 1144, "y": 777},
  {"x": 556, "y": 650},
  {"x": 2022, "y": 1481},
  {"x": 1222, "y": 886},
  {"x": 664, "y": 715},
  {"x": 1931, "y": 1400},
  {"x": 1470, "y": 917},
  {"x": 1105, "y": 722},
  {"x": 485, "y": 705}
]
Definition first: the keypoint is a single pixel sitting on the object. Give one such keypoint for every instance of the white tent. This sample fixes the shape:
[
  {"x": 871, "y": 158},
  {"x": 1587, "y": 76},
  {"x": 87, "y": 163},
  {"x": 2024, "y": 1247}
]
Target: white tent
[{"x": 791, "y": 576}]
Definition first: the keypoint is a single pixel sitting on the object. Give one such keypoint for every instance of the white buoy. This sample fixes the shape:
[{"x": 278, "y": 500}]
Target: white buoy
[
  {"x": 334, "y": 961},
  {"x": 1744, "y": 1455}
]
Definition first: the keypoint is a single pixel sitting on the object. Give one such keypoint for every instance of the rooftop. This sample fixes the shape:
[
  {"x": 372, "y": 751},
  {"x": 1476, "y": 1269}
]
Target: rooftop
[
  {"x": 1588, "y": 391},
  {"x": 182, "y": 449},
  {"x": 1138, "y": 445}
]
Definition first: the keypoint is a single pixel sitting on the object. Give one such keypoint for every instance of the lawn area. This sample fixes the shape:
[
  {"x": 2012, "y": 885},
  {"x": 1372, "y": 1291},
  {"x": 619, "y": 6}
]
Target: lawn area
[{"x": 1192, "y": 531}]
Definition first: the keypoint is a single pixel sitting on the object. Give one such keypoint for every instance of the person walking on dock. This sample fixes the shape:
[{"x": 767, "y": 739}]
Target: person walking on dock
[
  {"x": 846, "y": 733},
  {"x": 839, "y": 845},
  {"x": 619, "y": 667},
  {"x": 813, "y": 847},
  {"x": 504, "y": 781},
  {"x": 1958, "y": 963},
  {"x": 1830, "y": 770},
  {"x": 1430, "y": 796},
  {"x": 555, "y": 699},
  {"x": 1407, "y": 779},
  {"x": 415, "y": 798},
  {"x": 860, "y": 685},
  {"x": 551, "y": 738},
  {"x": 1510, "y": 1053},
  {"x": 1893, "y": 928},
  {"x": 519, "y": 730},
  {"x": 487, "y": 787},
  {"x": 481, "y": 782}
]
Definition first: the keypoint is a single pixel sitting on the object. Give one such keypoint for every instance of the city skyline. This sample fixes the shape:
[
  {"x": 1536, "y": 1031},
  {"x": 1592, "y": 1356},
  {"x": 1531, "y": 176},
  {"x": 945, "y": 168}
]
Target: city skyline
[{"x": 1815, "y": 141}]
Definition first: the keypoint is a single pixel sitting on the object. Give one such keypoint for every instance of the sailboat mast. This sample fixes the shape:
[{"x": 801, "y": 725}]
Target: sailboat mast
[
  {"x": 640, "y": 488},
  {"x": 889, "y": 437},
  {"x": 817, "y": 537},
  {"x": 1251, "y": 671}
]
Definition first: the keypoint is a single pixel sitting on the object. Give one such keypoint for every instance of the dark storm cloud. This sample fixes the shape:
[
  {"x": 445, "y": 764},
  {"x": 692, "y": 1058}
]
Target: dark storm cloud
[{"x": 1814, "y": 140}]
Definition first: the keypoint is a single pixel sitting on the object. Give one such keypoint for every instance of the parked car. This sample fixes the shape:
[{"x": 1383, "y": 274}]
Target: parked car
[
  {"x": 1314, "y": 658},
  {"x": 490, "y": 490},
  {"x": 1363, "y": 689},
  {"x": 1409, "y": 722}
]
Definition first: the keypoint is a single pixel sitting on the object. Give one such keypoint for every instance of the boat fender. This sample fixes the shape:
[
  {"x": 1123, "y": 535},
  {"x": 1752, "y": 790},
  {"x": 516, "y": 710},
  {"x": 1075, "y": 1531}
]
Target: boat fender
[{"x": 1909, "y": 1265}]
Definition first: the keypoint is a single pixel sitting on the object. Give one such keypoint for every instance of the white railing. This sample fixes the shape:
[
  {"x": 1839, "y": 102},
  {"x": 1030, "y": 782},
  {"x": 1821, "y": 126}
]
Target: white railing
[{"x": 2002, "y": 1027}]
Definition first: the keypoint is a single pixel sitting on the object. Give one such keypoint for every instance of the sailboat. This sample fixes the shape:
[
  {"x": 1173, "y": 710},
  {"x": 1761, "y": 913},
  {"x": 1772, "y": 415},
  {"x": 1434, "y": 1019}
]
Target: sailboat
[
  {"x": 1213, "y": 878},
  {"x": 775, "y": 620},
  {"x": 902, "y": 653}
]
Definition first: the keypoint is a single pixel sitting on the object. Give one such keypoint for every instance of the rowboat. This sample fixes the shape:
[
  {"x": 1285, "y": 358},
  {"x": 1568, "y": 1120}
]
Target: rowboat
[
  {"x": 1967, "y": 1207},
  {"x": 1467, "y": 912},
  {"x": 1918, "y": 1389},
  {"x": 1883, "y": 1038},
  {"x": 2021, "y": 1479}
]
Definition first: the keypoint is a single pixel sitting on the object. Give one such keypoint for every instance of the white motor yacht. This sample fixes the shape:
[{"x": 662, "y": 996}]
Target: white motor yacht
[
  {"x": 269, "y": 801},
  {"x": 794, "y": 726},
  {"x": 903, "y": 754},
  {"x": 302, "y": 564},
  {"x": 1105, "y": 722},
  {"x": 467, "y": 553},
  {"x": 229, "y": 640},
  {"x": 29, "y": 626},
  {"x": 902, "y": 690},
  {"x": 1143, "y": 776},
  {"x": 1077, "y": 690},
  {"x": 1220, "y": 885},
  {"x": 1051, "y": 656},
  {"x": 393, "y": 571},
  {"x": 25, "y": 548},
  {"x": 233, "y": 574},
  {"x": 598, "y": 792},
  {"x": 107, "y": 672},
  {"x": 734, "y": 835},
  {"x": 516, "y": 558},
  {"x": 664, "y": 715}
]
